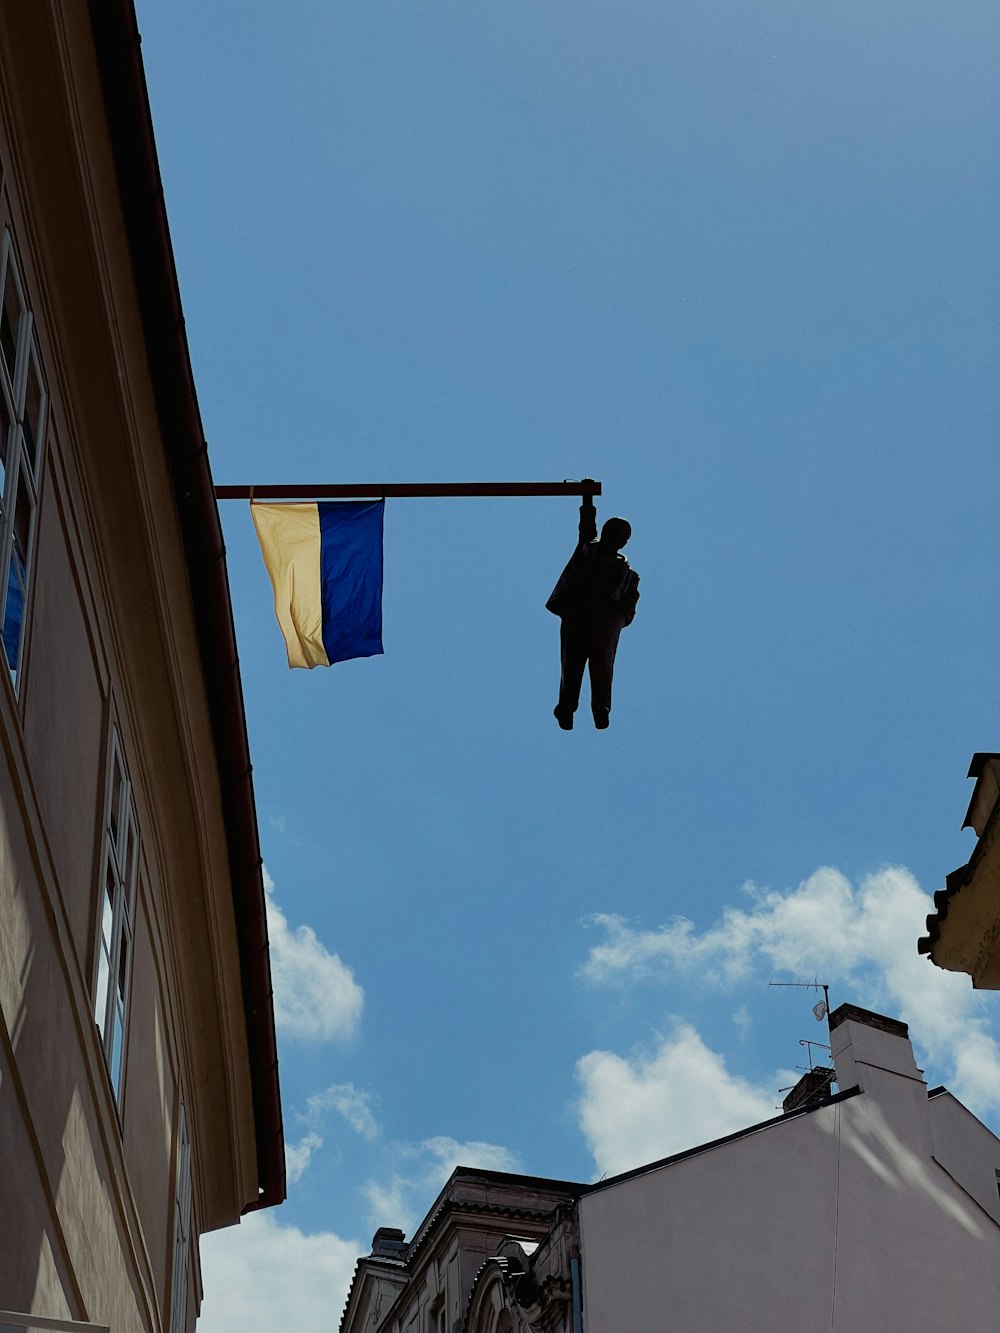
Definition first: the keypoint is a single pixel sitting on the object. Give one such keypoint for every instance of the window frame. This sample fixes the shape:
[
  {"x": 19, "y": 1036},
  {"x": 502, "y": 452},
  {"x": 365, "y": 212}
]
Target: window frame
[
  {"x": 21, "y": 463},
  {"x": 181, "y": 1266},
  {"x": 116, "y": 915},
  {"x": 439, "y": 1313}
]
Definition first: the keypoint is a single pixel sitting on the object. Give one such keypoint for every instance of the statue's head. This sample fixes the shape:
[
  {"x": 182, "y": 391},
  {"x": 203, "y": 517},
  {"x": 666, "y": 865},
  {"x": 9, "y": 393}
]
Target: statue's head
[{"x": 615, "y": 533}]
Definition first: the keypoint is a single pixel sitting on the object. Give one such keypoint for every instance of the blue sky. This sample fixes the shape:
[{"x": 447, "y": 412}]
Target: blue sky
[{"x": 738, "y": 261}]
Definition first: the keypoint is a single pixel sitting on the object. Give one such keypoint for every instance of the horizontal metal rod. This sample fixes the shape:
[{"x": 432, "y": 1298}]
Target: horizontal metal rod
[{"x": 418, "y": 489}]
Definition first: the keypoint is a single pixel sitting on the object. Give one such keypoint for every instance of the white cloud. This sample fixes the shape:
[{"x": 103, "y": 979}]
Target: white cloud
[
  {"x": 348, "y": 1101},
  {"x": 315, "y": 995},
  {"x": 861, "y": 940},
  {"x": 662, "y": 1101},
  {"x": 392, "y": 1205},
  {"x": 422, "y": 1170},
  {"x": 743, "y": 1021},
  {"x": 446, "y": 1153},
  {"x": 262, "y": 1274},
  {"x": 299, "y": 1155},
  {"x": 629, "y": 954}
]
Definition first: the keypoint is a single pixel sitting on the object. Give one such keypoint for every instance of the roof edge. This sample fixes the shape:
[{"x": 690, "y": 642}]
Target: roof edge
[
  {"x": 130, "y": 132},
  {"x": 721, "y": 1142},
  {"x": 958, "y": 879}
]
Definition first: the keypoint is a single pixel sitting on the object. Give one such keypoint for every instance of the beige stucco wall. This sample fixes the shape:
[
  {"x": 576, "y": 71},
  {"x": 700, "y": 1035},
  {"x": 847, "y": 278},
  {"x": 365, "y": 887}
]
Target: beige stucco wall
[
  {"x": 87, "y": 1187},
  {"x": 64, "y": 675},
  {"x": 149, "y": 1109},
  {"x": 66, "y": 1219}
]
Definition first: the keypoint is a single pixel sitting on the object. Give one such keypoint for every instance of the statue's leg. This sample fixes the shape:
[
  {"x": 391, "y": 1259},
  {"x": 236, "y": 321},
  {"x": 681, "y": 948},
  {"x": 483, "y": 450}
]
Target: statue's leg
[
  {"x": 573, "y": 656},
  {"x": 603, "y": 647}
]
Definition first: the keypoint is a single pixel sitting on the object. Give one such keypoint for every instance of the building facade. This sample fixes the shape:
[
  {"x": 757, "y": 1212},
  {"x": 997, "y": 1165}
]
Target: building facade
[
  {"x": 139, "y": 1100},
  {"x": 480, "y": 1219},
  {"x": 872, "y": 1208},
  {"x": 963, "y": 931}
]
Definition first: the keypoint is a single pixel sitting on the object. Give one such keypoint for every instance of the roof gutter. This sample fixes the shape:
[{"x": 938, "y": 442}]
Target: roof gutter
[{"x": 130, "y": 128}]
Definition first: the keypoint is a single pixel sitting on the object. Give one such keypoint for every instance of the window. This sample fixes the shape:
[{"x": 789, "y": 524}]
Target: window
[
  {"x": 182, "y": 1229},
  {"x": 114, "y": 958},
  {"x": 22, "y": 425}
]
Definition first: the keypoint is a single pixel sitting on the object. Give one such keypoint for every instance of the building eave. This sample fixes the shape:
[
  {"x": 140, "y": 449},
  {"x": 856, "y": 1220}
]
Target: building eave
[
  {"x": 130, "y": 133},
  {"x": 963, "y": 932}
]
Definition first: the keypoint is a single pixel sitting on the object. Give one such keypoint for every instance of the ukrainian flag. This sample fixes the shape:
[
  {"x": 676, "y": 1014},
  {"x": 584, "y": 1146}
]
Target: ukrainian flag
[{"x": 325, "y": 565}]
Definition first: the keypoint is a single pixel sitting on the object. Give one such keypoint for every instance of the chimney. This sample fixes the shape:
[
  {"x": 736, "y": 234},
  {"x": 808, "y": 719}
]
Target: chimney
[
  {"x": 812, "y": 1088},
  {"x": 866, "y": 1045},
  {"x": 389, "y": 1243}
]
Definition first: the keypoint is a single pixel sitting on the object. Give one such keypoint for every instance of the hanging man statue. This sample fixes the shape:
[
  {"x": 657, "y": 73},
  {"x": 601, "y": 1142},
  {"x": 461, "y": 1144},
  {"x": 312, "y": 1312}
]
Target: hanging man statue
[{"x": 595, "y": 599}]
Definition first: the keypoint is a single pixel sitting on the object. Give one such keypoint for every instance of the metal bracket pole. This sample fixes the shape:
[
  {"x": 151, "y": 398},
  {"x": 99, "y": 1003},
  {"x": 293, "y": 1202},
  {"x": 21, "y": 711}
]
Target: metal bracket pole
[{"x": 417, "y": 490}]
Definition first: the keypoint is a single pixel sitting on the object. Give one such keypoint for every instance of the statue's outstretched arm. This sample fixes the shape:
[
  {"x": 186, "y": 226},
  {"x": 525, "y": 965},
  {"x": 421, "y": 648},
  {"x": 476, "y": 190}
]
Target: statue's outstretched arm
[{"x": 588, "y": 520}]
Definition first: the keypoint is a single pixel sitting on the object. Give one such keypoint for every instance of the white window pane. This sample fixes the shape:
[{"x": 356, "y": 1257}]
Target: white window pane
[
  {"x": 108, "y": 911},
  {"x": 101, "y": 994},
  {"x": 115, "y": 959}
]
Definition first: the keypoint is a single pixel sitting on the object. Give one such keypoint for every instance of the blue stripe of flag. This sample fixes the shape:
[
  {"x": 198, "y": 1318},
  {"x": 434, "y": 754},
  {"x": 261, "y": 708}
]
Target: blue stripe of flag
[{"x": 351, "y": 578}]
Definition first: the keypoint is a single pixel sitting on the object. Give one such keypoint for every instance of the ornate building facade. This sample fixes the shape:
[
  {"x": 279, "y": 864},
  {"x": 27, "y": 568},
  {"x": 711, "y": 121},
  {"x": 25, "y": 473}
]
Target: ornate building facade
[{"x": 963, "y": 931}]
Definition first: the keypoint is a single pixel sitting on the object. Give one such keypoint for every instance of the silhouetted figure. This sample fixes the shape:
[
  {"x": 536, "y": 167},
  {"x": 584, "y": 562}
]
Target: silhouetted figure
[{"x": 595, "y": 599}]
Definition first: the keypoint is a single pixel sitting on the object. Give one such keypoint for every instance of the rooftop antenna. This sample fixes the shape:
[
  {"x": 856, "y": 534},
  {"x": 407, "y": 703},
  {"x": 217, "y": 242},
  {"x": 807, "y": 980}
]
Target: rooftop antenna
[
  {"x": 821, "y": 1009},
  {"x": 807, "y": 1069},
  {"x": 809, "y": 1052}
]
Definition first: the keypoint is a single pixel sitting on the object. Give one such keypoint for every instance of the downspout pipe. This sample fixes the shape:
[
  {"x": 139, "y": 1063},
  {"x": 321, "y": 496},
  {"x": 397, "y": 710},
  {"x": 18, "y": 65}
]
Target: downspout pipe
[
  {"x": 130, "y": 128},
  {"x": 576, "y": 1293}
]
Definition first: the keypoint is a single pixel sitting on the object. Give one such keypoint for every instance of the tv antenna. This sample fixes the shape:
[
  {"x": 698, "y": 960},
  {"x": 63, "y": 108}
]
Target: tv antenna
[
  {"x": 804, "y": 1041},
  {"x": 821, "y": 1009}
]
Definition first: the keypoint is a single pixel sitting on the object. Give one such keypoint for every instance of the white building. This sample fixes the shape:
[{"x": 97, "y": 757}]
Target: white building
[{"x": 873, "y": 1208}]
